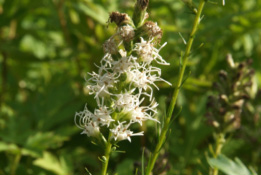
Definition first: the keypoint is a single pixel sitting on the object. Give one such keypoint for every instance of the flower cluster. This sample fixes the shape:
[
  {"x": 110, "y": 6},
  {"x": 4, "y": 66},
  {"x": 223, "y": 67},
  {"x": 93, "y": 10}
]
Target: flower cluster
[{"x": 123, "y": 85}]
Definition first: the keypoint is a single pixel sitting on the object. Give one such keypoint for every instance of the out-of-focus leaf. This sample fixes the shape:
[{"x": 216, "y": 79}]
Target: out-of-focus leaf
[
  {"x": 229, "y": 166},
  {"x": 74, "y": 16},
  {"x": 43, "y": 141},
  {"x": 125, "y": 167},
  {"x": 30, "y": 44},
  {"x": 51, "y": 163},
  {"x": 8, "y": 147},
  {"x": 95, "y": 11},
  {"x": 248, "y": 44},
  {"x": 31, "y": 153}
]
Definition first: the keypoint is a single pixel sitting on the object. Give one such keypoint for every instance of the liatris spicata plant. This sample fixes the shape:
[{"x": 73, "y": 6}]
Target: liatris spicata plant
[
  {"x": 123, "y": 85},
  {"x": 125, "y": 81},
  {"x": 233, "y": 88}
]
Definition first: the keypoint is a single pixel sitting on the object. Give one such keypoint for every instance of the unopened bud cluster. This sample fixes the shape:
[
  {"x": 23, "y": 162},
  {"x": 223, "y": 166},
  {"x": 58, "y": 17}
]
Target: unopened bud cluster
[
  {"x": 233, "y": 89},
  {"x": 123, "y": 85}
]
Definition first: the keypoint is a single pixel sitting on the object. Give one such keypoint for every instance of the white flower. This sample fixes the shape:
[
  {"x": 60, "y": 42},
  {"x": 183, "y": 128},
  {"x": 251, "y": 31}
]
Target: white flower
[
  {"x": 84, "y": 121},
  {"x": 148, "y": 52},
  {"x": 121, "y": 132},
  {"x": 83, "y": 117},
  {"x": 142, "y": 77},
  {"x": 102, "y": 115},
  {"x": 124, "y": 64},
  {"x": 140, "y": 113},
  {"x": 154, "y": 28},
  {"x": 91, "y": 129},
  {"x": 106, "y": 60},
  {"x": 101, "y": 84},
  {"x": 110, "y": 46},
  {"x": 126, "y": 101},
  {"x": 126, "y": 32},
  {"x": 120, "y": 103}
]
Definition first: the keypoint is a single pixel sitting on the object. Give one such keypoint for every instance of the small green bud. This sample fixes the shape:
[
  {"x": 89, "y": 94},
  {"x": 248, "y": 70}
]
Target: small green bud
[{"x": 140, "y": 14}]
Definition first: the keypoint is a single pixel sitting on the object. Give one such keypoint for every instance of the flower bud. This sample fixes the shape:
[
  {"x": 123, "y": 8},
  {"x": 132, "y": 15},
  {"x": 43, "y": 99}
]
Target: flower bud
[
  {"x": 230, "y": 61},
  {"x": 234, "y": 88},
  {"x": 223, "y": 74},
  {"x": 150, "y": 30},
  {"x": 110, "y": 46},
  {"x": 126, "y": 33},
  {"x": 140, "y": 13},
  {"x": 120, "y": 19}
]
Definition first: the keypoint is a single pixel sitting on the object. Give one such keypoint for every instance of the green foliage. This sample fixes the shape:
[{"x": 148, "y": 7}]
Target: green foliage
[
  {"x": 51, "y": 163},
  {"x": 229, "y": 166},
  {"x": 48, "y": 46}
]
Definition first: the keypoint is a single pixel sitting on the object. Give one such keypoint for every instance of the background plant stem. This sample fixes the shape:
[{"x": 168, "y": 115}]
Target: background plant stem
[
  {"x": 164, "y": 131},
  {"x": 220, "y": 140},
  {"x": 15, "y": 163}
]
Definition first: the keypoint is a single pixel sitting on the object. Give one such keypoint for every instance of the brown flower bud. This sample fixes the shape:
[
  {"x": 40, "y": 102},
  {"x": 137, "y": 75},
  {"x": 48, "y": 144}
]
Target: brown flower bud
[
  {"x": 249, "y": 61},
  {"x": 251, "y": 72},
  {"x": 245, "y": 97},
  {"x": 223, "y": 98},
  {"x": 248, "y": 84},
  {"x": 120, "y": 18},
  {"x": 143, "y": 4},
  {"x": 223, "y": 74},
  {"x": 238, "y": 104},
  {"x": 241, "y": 66},
  {"x": 222, "y": 111}
]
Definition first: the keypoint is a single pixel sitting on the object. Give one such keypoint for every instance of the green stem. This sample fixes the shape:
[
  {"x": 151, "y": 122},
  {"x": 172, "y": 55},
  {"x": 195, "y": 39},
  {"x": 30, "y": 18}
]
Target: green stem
[
  {"x": 106, "y": 156},
  {"x": 164, "y": 131},
  {"x": 15, "y": 163},
  {"x": 220, "y": 140}
]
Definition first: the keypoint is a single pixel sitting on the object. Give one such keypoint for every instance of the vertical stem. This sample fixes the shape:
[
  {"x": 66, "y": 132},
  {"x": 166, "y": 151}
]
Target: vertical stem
[
  {"x": 107, "y": 156},
  {"x": 164, "y": 131},
  {"x": 107, "y": 150},
  {"x": 4, "y": 77},
  {"x": 62, "y": 20},
  {"x": 15, "y": 163},
  {"x": 63, "y": 23},
  {"x": 220, "y": 140}
]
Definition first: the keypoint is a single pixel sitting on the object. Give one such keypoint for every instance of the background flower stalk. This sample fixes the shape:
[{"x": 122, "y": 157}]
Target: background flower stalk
[{"x": 234, "y": 88}]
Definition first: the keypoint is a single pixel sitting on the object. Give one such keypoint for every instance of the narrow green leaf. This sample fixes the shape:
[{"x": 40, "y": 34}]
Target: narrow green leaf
[{"x": 142, "y": 162}]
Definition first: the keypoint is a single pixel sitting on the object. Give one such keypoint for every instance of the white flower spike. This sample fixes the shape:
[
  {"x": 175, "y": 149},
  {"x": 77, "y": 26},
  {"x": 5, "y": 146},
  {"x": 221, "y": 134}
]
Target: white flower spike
[{"x": 123, "y": 85}]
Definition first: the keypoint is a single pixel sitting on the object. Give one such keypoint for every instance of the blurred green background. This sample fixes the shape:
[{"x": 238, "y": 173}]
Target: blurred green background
[{"x": 48, "y": 46}]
